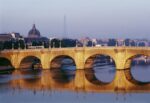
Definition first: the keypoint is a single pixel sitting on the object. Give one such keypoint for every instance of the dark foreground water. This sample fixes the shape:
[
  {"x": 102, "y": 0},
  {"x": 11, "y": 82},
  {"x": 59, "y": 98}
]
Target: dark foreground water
[{"x": 58, "y": 87}]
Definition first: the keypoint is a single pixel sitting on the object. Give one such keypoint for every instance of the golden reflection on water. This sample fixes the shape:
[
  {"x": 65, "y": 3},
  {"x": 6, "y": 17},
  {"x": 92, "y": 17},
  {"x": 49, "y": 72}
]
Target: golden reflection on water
[{"x": 80, "y": 80}]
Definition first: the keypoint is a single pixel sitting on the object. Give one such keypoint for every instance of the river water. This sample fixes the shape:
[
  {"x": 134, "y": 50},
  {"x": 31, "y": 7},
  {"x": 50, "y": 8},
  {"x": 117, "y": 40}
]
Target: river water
[{"x": 58, "y": 86}]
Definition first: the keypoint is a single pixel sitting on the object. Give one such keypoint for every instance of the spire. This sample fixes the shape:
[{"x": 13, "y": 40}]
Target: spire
[{"x": 33, "y": 26}]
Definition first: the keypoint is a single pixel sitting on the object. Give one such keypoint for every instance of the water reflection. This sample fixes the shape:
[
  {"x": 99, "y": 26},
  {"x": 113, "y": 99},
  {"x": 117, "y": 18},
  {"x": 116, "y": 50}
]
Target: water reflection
[
  {"x": 5, "y": 78},
  {"x": 129, "y": 77},
  {"x": 30, "y": 75},
  {"x": 105, "y": 73},
  {"x": 141, "y": 73},
  {"x": 72, "y": 80},
  {"x": 94, "y": 77},
  {"x": 62, "y": 75},
  {"x": 70, "y": 86}
]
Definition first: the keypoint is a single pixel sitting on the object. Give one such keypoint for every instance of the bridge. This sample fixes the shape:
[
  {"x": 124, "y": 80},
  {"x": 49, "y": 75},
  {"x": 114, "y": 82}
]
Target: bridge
[{"x": 122, "y": 56}]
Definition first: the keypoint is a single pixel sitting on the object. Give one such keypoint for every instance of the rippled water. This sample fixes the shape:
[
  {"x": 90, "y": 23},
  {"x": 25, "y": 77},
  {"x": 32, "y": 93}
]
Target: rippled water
[{"x": 58, "y": 86}]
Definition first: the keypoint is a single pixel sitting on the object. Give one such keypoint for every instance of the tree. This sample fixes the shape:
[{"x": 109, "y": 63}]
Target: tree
[
  {"x": 141, "y": 44},
  {"x": 127, "y": 42},
  {"x": 112, "y": 42}
]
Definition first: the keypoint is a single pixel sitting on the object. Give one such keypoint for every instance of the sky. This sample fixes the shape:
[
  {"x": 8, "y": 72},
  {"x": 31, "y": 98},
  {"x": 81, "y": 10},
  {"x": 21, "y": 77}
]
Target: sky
[{"x": 84, "y": 18}]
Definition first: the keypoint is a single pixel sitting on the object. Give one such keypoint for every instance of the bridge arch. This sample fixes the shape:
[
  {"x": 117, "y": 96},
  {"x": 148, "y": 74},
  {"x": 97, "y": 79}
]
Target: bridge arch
[
  {"x": 110, "y": 54},
  {"x": 28, "y": 60},
  {"x": 92, "y": 78},
  {"x": 5, "y": 61},
  {"x": 6, "y": 57},
  {"x": 131, "y": 57},
  {"x": 131, "y": 79},
  {"x": 134, "y": 69},
  {"x": 93, "y": 56},
  {"x": 55, "y": 61},
  {"x": 101, "y": 67}
]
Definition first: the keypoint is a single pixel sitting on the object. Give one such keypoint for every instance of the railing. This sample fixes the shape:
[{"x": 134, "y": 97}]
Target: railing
[{"x": 78, "y": 48}]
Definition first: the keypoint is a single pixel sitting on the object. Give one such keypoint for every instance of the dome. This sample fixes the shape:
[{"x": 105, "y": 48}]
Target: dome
[{"x": 34, "y": 33}]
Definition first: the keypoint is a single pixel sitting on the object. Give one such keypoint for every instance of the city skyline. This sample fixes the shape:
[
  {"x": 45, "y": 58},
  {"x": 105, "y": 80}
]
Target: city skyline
[{"x": 99, "y": 18}]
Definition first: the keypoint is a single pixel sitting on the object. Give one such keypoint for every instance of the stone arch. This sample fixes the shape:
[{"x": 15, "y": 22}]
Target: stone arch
[
  {"x": 131, "y": 79},
  {"x": 6, "y": 61},
  {"x": 32, "y": 58},
  {"x": 91, "y": 77},
  {"x": 92, "y": 55},
  {"x": 52, "y": 60},
  {"x": 130, "y": 58},
  {"x": 128, "y": 71},
  {"x": 6, "y": 57}
]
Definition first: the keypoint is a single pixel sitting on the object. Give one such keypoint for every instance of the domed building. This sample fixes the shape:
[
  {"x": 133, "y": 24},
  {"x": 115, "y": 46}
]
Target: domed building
[
  {"x": 35, "y": 39},
  {"x": 34, "y": 33}
]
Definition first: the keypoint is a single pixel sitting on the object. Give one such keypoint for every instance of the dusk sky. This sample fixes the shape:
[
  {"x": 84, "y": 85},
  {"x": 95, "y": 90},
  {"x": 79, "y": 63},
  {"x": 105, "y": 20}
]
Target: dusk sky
[{"x": 92, "y": 18}]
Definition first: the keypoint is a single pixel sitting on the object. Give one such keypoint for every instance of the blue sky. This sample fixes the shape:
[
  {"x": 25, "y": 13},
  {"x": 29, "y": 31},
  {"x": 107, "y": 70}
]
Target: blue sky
[{"x": 93, "y": 18}]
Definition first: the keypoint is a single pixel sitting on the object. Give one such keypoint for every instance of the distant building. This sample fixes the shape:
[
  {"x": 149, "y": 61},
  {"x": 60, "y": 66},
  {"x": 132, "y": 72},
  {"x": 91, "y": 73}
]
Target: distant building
[
  {"x": 16, "y": 35},
  {"x": 6, "y": 40},
  {"x": 35, "y": 38},
  {"x": 34, "y": 33},
  {"x": 9, "y": 36},
  {"x": 5, "y": 37}
]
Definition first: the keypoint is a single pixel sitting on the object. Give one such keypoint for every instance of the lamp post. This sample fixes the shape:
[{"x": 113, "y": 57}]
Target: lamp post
[
  {"x": 116, "y": 43},
  {"x": 43, "y": 44},
  {"x": 24, "y": 44},
  {"x": 136, "y": 44},
  {"x": 84, "y": 43},
  {"x": 18, "y": 45},
  {"x": 49, "y": 43},
  {"x": 12, "y": 46},
  {"x": 124, "y": 43},
  {"x": 92, "y": 43},
  {"x": 53, "y": 44},
  {"x": 60, "y": 43},
  {"x": 129, "y": 44},
  {"x": 76, "y": 43}
]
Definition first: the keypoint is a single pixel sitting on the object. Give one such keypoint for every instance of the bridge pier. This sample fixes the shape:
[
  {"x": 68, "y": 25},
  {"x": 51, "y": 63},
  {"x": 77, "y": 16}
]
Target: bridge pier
[
  {"x": 80, "y": 66},
  {"x": 120, "y": 66},
  {"x": 120, "y": 59},
  {"x": 79, "y": 79},
  {"x": 120, "y": 80},
  {"x": 15, "y": 61},
  {"x": 128, "y": 64},
  {"x": 45, "y": 61},
  {"x": 79, "y": 59}
]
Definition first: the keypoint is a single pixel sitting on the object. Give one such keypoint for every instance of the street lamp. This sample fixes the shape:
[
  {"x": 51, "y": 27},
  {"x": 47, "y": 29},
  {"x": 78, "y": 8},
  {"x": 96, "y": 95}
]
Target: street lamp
[
  {"x": 49, "y": 43},
  {"x": 43, "y": 44},
  {"x": 124, "y": 43},
  {"x": 60, "y": 43},
  {"x": 76, "y": 43},
  {"x": 116, "y": 43},
  {"x": 84, "y": 43},
  {"x": 18, "y": 45},
  {"x": 12, "y": 46},
  {"x": 92, "y": 43},
  {"x": 24, "y": 44},
  {"x": 129, "y": 44},
  {"x": 53, "y": 44}
]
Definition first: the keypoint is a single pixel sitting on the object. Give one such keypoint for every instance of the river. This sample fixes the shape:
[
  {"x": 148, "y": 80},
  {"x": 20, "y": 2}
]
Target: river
[{"x": 58, "y": 86}]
